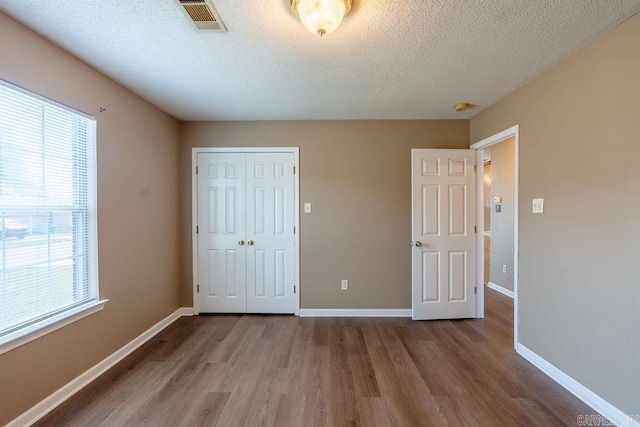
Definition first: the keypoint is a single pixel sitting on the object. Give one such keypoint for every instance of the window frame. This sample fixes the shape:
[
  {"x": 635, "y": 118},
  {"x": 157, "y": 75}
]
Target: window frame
[{"x": 56, "y": 320}]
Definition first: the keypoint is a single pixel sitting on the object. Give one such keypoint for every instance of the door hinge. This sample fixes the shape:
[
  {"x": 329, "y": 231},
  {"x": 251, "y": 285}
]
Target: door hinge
[
  {"x": 198, "y": 288},
  {"x": 294, "y": 229},
  {"x": 294, "y": 170},
  {"x": 196, "y": 170},
  {"x": 475, "y": 168},
  {"x": 294, "y": 288},
  {"x": 196, "y": 229},
  {"x": 475, "y": 228},
  {"x": 475, "y": 290}
]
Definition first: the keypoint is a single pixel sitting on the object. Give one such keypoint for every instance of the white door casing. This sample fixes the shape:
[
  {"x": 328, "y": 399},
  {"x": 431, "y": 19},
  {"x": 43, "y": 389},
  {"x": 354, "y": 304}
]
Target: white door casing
[
  {"x": 443, "y": 233},
  {"x": 245, "y": 213}
]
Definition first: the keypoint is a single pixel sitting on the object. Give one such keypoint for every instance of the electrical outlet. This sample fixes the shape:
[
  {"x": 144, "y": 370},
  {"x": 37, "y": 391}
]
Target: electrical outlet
[
  {"x": 504, "y": 268},
  {"x": 344, "y": 285}
]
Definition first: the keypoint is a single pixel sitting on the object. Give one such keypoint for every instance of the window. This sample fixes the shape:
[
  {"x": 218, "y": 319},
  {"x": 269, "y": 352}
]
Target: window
[{"x": 48, "y": 228}]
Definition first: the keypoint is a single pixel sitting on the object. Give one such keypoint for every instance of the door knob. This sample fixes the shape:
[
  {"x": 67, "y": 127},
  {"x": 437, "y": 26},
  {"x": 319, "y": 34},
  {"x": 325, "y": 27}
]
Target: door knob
[
  {"x": 250, "y": 243},
  {"x": 418, "y": 243},
  {"x": 240, "y": 242}
]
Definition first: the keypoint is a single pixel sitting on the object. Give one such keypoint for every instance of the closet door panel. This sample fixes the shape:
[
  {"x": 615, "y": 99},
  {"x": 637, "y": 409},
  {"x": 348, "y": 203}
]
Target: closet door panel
[
  {"x": 221, "y": 228},
  {"x": 270, "y": 221}
]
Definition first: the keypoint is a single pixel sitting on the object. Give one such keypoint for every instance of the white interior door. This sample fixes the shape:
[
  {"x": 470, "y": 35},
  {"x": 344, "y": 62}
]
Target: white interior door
[
  {"x": 221, "y": 233},
  {"x": 245, "y": 238},
  {"x": 443, "y": 233},
  {"x": 270, "y": 234}
]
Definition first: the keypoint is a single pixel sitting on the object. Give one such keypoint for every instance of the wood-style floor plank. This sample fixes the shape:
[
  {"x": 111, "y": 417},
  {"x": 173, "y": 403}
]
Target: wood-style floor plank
[{"x": 256, "y": 370}]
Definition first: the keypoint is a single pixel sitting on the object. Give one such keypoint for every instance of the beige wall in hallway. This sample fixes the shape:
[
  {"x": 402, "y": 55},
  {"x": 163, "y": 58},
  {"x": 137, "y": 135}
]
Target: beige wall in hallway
[
  {"x": 502, "y": 223},
  {"x": 357, "y": 175},
  {"x": 579, "y": 289},
  {"x": 137, "y": 218}
]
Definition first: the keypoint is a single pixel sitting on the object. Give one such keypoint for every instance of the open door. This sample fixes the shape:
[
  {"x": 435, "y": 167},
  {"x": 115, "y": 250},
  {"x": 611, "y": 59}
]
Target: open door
[{"x": 443, "y": 233}]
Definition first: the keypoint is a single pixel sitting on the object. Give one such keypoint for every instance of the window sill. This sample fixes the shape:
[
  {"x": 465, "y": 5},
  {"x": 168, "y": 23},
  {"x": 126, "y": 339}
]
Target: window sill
[{"x": 32, "y": 332}]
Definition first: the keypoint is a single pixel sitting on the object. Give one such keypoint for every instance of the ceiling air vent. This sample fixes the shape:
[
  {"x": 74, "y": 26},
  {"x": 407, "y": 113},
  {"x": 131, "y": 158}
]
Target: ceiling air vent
[{"x": 202, "y": 14}]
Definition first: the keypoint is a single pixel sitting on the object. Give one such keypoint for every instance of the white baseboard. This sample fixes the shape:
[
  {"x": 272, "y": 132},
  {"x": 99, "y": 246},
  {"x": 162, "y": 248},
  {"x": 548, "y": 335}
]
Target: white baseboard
[
  {"x": 337, "y": 312},
  {"x": 500, "y": 289},
  {"x": 606, "y": 409},
  {"x": 65, "y": 392},
  {"x": 185, "y": 311}
]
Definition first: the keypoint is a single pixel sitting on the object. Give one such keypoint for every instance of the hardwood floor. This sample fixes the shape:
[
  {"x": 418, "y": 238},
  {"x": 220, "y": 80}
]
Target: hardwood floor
[{"x": 233, "y": 370}]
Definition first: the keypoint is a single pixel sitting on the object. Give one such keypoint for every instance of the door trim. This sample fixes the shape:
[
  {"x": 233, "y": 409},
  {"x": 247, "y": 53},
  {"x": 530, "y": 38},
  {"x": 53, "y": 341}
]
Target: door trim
[
  {"x": 296, "y": 205},
  {"x": 512, "y": 132}
]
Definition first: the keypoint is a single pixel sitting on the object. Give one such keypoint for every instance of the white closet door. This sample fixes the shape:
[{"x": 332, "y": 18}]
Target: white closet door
[
  {"x": 270, "y": 233},
  {"x": 221, "y": 233}
]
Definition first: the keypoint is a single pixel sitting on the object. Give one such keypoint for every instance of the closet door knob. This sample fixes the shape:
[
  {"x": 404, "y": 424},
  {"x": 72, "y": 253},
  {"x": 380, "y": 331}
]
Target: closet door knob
[
  {"x": 240, "y": 242},
  {"x": 250, "y": 243}
]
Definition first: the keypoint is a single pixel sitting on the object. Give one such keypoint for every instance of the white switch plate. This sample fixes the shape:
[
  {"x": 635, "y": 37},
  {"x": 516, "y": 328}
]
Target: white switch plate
[
  {"x": 307, "y": 208},
  {"x": 537, "y": 206},
  {"x": 504, "y": 268},
  {"x": 345, "y": 285}
]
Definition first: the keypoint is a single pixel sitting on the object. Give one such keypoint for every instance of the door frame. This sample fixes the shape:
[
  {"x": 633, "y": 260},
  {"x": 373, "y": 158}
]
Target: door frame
[
  {"x": 512, "y": 132},
  {"x": 296, "y": 205}
]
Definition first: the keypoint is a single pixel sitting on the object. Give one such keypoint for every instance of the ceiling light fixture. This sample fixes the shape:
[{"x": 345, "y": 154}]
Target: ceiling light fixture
[
  {"x": 321, "y": 16},
  {"x": 462, "y": 106}
]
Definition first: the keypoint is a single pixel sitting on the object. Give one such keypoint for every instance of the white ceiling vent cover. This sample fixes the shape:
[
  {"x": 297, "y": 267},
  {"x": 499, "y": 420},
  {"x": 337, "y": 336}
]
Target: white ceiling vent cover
[{"x": 202, "y": 14}]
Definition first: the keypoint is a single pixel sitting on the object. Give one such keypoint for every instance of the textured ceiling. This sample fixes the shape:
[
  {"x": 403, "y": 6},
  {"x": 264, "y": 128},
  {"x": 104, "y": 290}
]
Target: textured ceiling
[{"x": 411, "y": 59}]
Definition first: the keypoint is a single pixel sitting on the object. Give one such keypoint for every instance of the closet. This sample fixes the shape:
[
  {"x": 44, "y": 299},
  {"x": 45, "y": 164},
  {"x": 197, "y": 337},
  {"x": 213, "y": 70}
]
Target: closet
[{"x": 245, "y": 232}]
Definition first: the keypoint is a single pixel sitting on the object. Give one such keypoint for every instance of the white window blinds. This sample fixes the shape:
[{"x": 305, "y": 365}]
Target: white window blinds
[{"x": 48, "y": 229}]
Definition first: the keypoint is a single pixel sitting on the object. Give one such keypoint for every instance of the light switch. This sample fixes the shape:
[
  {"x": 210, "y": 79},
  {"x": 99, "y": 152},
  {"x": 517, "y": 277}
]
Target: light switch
[
  {"x": 307, "y": 208},
  {"x": 538, "y": 206}
]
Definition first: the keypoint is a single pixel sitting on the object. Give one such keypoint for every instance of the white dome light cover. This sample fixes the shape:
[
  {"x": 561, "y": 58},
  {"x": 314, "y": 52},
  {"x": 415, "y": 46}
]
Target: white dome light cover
[{"x": 321, "y": 16}]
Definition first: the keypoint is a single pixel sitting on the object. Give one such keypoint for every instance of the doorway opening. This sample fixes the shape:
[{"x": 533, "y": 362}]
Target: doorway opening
[{"x": 497, "y": 216}]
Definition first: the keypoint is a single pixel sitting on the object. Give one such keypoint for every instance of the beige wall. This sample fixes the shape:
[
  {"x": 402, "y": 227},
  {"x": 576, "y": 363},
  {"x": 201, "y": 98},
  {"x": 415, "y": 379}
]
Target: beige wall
[
  {"x": 357, "y": 176},
  {"x": 137, "y": 214},
  {"x": 502, "y": 223},
  {"x": 579, "y": 275}
]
